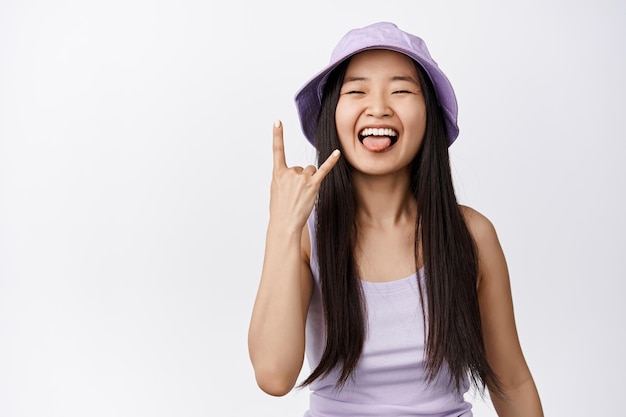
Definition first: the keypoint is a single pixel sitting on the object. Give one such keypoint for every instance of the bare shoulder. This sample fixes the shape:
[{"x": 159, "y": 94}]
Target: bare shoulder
[
  {"x": 492, "y": 263},
  {"x": 478, "y": 224}
]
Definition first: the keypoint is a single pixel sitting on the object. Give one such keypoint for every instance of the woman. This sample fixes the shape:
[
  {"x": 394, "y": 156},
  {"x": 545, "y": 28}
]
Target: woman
[{"x": 399, "y": 296}]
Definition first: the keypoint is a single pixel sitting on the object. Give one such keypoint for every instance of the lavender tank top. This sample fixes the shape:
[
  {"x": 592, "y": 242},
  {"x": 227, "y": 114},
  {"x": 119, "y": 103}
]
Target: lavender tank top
[{"x": 390, "y": 379}]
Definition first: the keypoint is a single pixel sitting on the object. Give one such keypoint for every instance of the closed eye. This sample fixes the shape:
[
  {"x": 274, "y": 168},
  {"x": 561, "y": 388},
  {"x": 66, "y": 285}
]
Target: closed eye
[
  {"x": 402, "y": 92},
  {"x": 354, "y": 92}
]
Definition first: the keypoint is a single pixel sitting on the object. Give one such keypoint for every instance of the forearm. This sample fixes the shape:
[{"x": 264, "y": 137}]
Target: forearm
[
  {"x": 521, "y": 401},
  {"x": 276, "y": 334}
]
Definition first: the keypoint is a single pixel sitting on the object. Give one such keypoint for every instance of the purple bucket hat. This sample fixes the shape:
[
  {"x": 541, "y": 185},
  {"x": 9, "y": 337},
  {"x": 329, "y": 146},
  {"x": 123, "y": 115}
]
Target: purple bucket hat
[{"x": 382, "y": 35}]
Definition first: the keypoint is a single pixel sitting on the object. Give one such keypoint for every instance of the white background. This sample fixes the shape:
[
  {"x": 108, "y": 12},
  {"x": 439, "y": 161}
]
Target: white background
[{"x": 135, "y": 157}]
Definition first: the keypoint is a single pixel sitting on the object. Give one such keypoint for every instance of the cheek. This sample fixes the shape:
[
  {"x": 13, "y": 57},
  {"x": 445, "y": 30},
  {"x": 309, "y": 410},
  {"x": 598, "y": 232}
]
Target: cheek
[
  {"x": 420, "y": 123},
  {"x": 345, "y": 122},
  {"x": 416, "y": 119}
]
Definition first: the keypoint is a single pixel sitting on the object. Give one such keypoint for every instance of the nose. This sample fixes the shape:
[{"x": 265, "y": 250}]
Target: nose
[{"x": 378, "y": 106}]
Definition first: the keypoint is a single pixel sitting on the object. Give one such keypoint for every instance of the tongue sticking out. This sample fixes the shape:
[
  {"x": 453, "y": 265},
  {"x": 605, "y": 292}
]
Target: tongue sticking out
[{"x": 376, "y": 143}]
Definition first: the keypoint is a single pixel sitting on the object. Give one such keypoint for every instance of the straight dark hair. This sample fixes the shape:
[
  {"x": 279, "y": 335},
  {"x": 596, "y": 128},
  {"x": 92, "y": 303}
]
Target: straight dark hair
[{"x": 450, "y": 308}]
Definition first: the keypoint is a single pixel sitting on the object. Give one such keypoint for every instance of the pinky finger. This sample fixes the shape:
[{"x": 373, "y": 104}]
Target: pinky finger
[{"x": 328, "y": 164}]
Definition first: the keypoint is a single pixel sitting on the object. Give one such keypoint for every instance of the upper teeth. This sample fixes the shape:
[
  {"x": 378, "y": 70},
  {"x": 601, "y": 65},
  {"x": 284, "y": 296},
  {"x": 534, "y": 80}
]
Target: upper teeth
[{"x": 372, "y": 131}]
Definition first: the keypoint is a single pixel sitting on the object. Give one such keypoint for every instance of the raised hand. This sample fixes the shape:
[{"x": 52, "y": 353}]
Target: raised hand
[{"x": 294, "y": 189}]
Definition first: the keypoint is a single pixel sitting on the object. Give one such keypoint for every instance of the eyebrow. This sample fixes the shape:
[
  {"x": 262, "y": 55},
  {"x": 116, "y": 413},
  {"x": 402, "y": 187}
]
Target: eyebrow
[
  {"x": 405, "y": 78},
  {"x": 395, "y": 78}
]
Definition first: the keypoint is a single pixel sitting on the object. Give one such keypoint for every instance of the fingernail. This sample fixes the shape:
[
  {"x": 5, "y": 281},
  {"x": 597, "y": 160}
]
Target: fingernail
[
  {"x": 277, "y": 123},
  {"x": 336, "y": 152}
]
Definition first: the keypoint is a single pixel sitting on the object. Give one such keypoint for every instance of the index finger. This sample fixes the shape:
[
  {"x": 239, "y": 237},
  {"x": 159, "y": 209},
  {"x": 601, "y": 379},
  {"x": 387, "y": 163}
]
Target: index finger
[{"x": 278, "y": 146}]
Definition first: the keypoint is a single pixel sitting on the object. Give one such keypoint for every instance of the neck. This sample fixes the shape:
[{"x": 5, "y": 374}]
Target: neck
[{"x": 383, "y": 200}]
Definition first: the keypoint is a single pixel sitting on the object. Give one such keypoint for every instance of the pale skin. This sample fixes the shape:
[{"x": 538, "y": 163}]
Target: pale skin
[{"x": 381, "y": 89}]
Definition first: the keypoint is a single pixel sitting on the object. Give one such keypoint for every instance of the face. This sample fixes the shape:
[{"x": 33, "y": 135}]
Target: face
[{"x": 381, "y": 113}]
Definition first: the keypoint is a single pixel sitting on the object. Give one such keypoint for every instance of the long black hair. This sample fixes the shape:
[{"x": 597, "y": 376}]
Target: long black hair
[{"x": 451, "y": 311}]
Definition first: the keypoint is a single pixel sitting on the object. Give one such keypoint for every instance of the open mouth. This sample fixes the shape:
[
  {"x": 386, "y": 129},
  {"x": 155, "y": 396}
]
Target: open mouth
[{"x": 378, "y": 139}]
